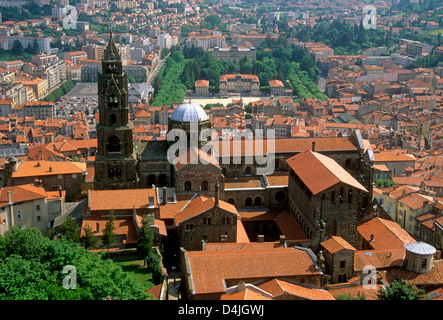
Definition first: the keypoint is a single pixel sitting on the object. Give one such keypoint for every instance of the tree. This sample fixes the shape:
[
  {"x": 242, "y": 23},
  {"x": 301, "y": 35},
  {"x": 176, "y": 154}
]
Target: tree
[
  {"x": 69, "y": 229},
  {"x": 145, "y": 239},
  {"x": 108, "y": 231},
  {"x": 32, "y": 268},
  {"x": 400, "y": 290},
  {"x": 17, "y": 48},
  {"x": 89, "y": 239}
]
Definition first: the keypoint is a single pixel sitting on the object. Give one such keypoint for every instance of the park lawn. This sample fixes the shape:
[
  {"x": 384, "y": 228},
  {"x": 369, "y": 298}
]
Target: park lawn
[{"x": 137, "y": 269}]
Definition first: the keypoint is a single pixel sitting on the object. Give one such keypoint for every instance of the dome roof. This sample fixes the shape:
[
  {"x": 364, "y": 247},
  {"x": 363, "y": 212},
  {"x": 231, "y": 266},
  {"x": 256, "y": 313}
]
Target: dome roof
[
  {"x": 189, "y": 111},
  {"x": 420, "y": 247}
]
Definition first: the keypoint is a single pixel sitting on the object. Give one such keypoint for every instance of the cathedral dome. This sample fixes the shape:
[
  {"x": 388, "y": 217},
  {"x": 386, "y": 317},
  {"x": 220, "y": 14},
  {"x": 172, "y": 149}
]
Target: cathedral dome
[{"x": 188, "y": 112}]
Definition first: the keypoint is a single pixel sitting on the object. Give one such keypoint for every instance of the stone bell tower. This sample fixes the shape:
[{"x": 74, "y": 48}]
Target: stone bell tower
[{"x": 116, "y": 161}]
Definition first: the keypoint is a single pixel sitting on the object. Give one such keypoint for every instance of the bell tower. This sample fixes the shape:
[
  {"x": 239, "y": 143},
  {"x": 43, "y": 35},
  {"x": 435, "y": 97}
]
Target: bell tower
[{"x": 116, "y": 160}]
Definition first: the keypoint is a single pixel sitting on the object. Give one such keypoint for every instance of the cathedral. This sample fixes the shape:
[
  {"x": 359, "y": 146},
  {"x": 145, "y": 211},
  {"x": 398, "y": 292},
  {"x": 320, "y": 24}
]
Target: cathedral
[{"x": 213, "y": 168}]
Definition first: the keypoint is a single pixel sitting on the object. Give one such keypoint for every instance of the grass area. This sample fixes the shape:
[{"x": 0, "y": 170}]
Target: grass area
[
  {"x": 433, "y": 32},
  {"x": 136, "y": 268}
]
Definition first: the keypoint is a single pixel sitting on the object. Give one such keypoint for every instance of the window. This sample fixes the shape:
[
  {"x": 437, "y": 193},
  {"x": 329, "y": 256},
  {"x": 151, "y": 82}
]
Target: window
[
  {"x": 113, "y": 144},
  {"x": 231, "y": 201},
  {"x": 38, "y": 207},
  {"x": 74, "y": 176},
  {"x": 207, "y": 221},
  {"x": 342, "y": 264},
  {"x": 257, "y": 201},
  {"x": 60, "y": 177},
  {"x": 188, "y": 185},
  {"x": 423, "y": 263},
  {"x": 225, "y": 220},
  {"x": 19, "y": 215},
  {"x": 204, "y": 186},
  {"x": 189, "y": 227},
  {"x": 39, "y": 218},
  {"x": 248, "y": 202}
]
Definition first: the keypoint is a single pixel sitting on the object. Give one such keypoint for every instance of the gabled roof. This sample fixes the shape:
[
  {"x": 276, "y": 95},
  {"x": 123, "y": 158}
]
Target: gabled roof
[
  {"x": 319, "y": 172},
  {"x": 194, "y": 155},
  {"x": 387, "y": 234},
  {"x": 200, "y": 204},
  {"x": 21, "y": 193}
]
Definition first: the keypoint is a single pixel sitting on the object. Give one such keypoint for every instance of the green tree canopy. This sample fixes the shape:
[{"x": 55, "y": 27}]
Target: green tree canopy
[
  {"x": 400, "y": 290},
  {"x": 32, "y": 267}
]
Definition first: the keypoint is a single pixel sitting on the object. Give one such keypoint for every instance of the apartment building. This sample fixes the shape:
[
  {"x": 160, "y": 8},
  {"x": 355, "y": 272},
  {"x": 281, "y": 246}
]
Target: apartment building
[
  {"x": 44, "y": 44},
  {"x": 94, "y": 51}
]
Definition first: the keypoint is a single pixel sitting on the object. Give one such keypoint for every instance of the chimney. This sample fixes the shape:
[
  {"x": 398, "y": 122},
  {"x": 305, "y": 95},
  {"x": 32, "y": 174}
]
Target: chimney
[
  {"x": 403, "y": 192},
  {"x": 151, "y": 201},
  {"x": 260, "y": 238},
  {"x": 241, "y": 286},
  {"x": 313, "y": 146},
  {"x": 97, "y": 225},
  {"x": 9, "y": 197},
  {"x": 282, "y": 240},
  {"x": 165, "y": 195}
]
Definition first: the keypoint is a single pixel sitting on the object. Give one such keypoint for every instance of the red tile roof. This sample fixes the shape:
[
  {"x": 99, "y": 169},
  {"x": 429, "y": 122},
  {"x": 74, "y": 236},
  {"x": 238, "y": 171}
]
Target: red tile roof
[
  {"x": 319, "y": 172},
  {"x": 210, "y": 268},
  {"x": 125, "y": 199}
]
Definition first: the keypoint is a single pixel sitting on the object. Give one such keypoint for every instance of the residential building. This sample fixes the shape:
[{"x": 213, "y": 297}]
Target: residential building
[{"x": 29, "y": 206}]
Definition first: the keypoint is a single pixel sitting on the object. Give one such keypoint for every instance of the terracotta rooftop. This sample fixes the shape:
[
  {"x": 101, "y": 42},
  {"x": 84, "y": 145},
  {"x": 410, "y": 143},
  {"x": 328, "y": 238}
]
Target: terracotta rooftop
[
  {"x": 387, "y": 234},
  {"x": 319, "y": 172},
  {"x": 125, "y": 199},
  {"x": 278, "y": 287},
  {"x": 210, "y": 268}
]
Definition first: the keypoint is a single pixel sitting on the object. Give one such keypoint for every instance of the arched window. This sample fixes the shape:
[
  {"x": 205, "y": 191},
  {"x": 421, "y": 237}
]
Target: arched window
[
  {"x": 188, "y": 185},
  {"x": 231, "y": 201},
  {"x": 113, "y": 144},
  {"x": 280, "y": 196},
  {"x": 248, "y": 171},
  {"x": 348, "y": 163},
  {"x": 257, "y": 201},
  {"x": 248, "y": 202},
  {"x": 350, "y": 196},
  {"x": 204, "y": 186}
]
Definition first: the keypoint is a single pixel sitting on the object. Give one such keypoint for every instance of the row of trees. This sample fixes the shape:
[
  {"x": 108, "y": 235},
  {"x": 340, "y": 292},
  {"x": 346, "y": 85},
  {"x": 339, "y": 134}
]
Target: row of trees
[
  {"x": 168, "y": 88},
  {"x": 64, "y": 88}
]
